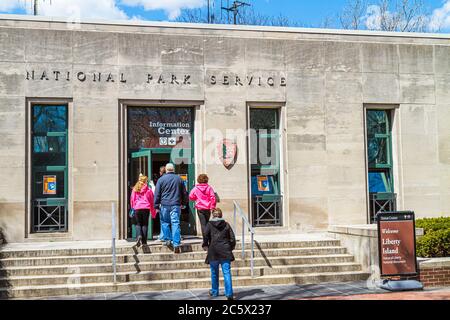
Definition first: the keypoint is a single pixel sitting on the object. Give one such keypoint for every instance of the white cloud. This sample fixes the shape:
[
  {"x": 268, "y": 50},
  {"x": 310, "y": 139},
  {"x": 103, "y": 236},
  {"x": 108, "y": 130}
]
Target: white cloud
[
  {"x": 171, "y": 7},
  {"x": 95, "y": 9},
  {"x": 100, "y": 9},
  {"x": 440, "y": 19},
  {"x": 373, "y": 18}
]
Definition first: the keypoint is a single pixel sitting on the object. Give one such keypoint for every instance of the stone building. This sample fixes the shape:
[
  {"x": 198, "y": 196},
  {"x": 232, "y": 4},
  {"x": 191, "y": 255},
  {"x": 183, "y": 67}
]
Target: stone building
[{"x": 303, "y": 128}]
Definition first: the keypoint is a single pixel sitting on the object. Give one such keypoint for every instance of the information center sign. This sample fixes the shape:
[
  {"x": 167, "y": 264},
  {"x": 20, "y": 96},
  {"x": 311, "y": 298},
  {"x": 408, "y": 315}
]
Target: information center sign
[
  {"x": 397, "y": 244},
  {"x": 160, "y": 128}
]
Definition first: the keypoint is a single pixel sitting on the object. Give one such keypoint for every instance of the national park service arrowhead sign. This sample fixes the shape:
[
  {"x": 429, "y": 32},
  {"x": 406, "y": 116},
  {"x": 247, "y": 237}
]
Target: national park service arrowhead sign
[{"x": 227, "y": 151}]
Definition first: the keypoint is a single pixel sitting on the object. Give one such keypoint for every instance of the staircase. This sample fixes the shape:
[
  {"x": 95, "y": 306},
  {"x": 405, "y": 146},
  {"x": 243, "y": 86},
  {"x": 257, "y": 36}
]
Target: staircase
[{"x": 41, "y": 272}]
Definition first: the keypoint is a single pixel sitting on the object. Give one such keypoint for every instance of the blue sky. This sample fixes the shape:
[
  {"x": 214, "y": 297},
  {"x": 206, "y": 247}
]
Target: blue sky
[{"x": 307, "y": 12}]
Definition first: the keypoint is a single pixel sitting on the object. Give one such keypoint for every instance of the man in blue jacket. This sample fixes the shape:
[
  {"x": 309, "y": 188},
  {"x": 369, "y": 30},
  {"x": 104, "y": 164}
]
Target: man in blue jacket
[{"x": 170, "y": 196}]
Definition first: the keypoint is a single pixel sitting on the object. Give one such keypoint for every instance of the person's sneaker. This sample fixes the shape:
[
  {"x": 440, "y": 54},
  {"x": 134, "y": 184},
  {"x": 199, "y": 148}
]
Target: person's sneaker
[
  {"x": 177, "y": 250},
  {"x": 138, "y": 242},
  {"x": 167, "y": 243},
  {"x": 230, "y": 298},
  {"x": 211, "y": 294}
]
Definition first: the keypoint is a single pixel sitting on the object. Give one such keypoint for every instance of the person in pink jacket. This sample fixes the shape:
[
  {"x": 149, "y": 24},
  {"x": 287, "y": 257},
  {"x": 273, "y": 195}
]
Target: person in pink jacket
[
  {"x": 205, "y": 200},
  {"x": 142, "y": 203}
]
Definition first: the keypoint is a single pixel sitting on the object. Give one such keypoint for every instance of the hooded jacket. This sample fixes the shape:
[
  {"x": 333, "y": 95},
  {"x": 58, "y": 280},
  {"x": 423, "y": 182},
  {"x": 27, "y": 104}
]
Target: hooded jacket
[
  {"x": 220, "y": 240},
  {"x": 204, "y": 197},
  {"x": 143, "y": 200}
]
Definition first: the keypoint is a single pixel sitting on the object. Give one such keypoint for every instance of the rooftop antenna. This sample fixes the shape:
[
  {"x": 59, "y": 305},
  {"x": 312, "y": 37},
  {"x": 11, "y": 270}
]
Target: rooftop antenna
[
  {"x": 209, "y": 14},
  {"x": 235, "y": 9}
]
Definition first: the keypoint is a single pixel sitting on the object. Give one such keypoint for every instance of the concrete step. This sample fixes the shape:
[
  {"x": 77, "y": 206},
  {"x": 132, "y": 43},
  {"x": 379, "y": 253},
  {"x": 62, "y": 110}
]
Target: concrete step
[
  {"x": 179, "y": 284},
  {"x": 6, "y": 253},
  {"x": 21, "y": 281},
  {"x": 169, "y": 256},
  {"x": 169, "y": 265}
]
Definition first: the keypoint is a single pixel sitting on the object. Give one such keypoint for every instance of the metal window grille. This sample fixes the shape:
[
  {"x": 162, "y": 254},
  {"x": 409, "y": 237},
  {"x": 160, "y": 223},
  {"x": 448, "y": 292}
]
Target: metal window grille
[{"x": 267, "y": 211}]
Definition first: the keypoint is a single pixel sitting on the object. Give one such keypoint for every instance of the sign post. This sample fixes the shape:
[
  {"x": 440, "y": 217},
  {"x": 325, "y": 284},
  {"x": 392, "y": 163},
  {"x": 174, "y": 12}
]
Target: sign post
[{"x": 397, "y": 250}]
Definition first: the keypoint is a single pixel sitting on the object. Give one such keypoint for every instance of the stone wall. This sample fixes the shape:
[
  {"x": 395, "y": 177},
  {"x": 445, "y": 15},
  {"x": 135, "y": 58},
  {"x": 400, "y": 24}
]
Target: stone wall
[{"x": 330, "y": 77}]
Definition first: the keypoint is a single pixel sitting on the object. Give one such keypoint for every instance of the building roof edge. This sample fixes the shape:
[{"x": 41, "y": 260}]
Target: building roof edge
[{"x": 201, "y": 26}]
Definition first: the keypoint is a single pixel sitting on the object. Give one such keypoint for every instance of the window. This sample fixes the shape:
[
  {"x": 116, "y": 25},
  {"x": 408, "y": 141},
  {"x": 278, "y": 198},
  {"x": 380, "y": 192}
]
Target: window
[
  {"x": 49, "y": 168},
  {"x": 265, "y": 167},
  {"x": 379, "y": 154}
]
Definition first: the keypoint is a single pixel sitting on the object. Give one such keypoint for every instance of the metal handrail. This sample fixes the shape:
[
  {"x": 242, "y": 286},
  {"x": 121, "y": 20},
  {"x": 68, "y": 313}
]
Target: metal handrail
[
  {"x": 113, "y": 245},
  {"x": 245, "y": 222}
]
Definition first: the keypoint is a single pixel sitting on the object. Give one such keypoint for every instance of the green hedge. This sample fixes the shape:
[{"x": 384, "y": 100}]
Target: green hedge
[
  {"x": 433, "y": 224},
  {"x": 436, "y": 240}
]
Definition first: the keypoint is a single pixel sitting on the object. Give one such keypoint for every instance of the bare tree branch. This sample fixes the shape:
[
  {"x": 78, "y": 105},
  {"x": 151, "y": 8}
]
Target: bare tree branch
[
  {"x": 352, "y": 14},
  {"x": 192, "y": 16},
  {"x": 247, "y": 16},
  {"x": 386, "y": 15}
]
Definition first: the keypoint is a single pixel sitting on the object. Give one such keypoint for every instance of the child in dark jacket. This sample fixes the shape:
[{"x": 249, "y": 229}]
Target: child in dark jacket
[{"x": 219, "y": 241}]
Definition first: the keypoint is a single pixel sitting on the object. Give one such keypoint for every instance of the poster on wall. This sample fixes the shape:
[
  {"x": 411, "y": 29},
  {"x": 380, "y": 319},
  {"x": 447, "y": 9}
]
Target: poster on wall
[
  {"x": 397, "y": 244},
  {"x": 49, "y": 185},
  {"x": 184, "y": 178},
  {"x": 263, "y": 183}
]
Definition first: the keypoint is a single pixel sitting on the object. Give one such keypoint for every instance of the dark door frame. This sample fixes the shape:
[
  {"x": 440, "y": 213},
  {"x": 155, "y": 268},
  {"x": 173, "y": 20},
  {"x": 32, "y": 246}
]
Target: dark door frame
[{"x": 123, "y": 105}]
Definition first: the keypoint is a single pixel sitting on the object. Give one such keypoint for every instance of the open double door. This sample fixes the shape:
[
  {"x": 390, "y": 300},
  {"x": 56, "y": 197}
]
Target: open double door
[{"x": 148, "y": 162}]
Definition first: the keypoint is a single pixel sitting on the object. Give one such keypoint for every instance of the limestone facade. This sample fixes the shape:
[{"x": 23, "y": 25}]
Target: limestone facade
[{"x": 322, "y": 82}]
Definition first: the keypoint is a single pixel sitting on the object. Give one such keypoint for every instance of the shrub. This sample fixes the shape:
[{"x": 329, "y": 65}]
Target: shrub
[
  {"x": 435, "y": 244},
  {"x": 436, "y": 240},
  {"x": 433, "y": 224}
]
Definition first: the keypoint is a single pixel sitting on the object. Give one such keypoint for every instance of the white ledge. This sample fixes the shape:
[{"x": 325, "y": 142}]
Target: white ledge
[{"x": 431, "y": 263}]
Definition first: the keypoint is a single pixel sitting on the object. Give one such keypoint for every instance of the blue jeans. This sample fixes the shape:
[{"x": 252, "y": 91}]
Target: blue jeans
[
  {"x": 161, "y": 234},
  {"x": 226, "y": 271},
  {"x": 170, "y": 224}
]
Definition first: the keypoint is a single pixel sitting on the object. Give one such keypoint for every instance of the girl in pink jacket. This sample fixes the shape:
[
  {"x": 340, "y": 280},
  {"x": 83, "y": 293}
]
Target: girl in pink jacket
[
  {"x": 142, "y": 203},
  {"x": 205, "y": 200}
]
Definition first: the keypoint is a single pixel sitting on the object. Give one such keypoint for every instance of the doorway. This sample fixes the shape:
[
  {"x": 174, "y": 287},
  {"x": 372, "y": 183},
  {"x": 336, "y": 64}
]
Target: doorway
[{"x": 157, "y": 136}]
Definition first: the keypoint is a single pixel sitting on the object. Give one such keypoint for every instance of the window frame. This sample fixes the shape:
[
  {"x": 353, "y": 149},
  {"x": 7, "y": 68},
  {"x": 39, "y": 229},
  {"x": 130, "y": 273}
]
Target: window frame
[
  {"x": 279, "y": 184},
  {"x": 31, "y": 169},
  {"x": 388, "y": 167}
]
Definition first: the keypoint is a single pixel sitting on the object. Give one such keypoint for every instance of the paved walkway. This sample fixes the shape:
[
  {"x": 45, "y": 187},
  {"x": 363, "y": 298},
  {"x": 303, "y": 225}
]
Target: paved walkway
[
  {"x": 433, "y": 294},
  {"x": 336, "y": 291}
]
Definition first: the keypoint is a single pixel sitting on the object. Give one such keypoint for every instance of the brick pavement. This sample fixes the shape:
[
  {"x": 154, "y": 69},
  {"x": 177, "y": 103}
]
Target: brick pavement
[{"x": 439, "y": 294}]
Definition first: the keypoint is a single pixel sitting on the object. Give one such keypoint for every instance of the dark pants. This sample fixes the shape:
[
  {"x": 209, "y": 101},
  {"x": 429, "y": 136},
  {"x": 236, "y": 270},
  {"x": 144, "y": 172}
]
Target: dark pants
[
  {"x": 142, "y": 217},
  {"x": 204, "y": 216}
]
